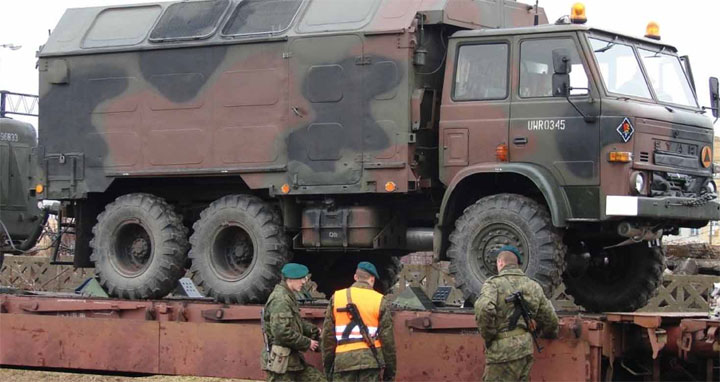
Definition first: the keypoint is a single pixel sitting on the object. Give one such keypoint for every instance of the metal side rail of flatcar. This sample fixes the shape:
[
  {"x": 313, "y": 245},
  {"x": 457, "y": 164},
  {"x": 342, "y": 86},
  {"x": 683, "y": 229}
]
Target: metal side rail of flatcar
[{"x": 204, "y": 338}]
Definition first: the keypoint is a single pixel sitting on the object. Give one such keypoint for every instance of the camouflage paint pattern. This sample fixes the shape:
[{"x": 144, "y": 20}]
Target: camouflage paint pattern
[
  {"x": 324, "y": 105},
  {"x": 350, "y": 100}
]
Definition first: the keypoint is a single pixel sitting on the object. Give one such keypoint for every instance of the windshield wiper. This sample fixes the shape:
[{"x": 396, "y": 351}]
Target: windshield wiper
[
  {"x": 607, "y": 47},
  {"x": 657, "y": 54}
]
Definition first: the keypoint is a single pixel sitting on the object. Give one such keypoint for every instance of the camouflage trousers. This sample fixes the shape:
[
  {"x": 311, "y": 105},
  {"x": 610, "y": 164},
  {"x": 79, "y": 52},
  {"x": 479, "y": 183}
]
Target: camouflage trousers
[
  {"x": 517, "y": 370},
  {"x": 309, "y": 374},
  {"x": 363, "y": 375}
]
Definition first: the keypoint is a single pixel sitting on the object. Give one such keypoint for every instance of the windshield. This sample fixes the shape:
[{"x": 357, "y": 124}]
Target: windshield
[
  {"x": 620, "y": 68},
  {"x": 668, "y": 78}
]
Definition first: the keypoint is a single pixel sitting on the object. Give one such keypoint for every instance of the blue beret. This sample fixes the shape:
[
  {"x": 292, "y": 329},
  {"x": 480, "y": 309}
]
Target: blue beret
[
  {"x": 513, "y": 249},
  {"x": 369, "y": 268},
  {"x": 294, "y": 271}
]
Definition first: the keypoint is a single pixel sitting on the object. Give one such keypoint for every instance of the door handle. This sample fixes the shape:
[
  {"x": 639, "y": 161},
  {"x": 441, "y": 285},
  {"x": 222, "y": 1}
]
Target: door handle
[{"x": 520, "y": 141}]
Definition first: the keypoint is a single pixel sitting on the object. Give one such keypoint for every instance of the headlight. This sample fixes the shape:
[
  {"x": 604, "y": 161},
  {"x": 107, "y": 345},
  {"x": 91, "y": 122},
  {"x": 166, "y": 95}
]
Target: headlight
[
  {"x": 710, "y": 187},
  {"x": 637, "y": 181}
]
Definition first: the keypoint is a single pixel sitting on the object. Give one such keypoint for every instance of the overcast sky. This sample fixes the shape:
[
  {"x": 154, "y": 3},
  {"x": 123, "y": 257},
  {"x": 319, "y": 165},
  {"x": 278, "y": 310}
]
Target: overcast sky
[{"x": 690, "y": 25}]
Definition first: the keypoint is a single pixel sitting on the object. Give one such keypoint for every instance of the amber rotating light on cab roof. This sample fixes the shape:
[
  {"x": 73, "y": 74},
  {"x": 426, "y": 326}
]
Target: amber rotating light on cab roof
[
  {"x": 652, "y": 31},
  {"x": 577, "y": 14}
]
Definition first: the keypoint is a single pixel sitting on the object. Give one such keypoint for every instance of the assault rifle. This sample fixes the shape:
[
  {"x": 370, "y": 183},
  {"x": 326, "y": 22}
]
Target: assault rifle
[
  {"x": 521, "y": 309},
  {"x": 262, "y": 327},
  {"x": 356, "y": 319}
]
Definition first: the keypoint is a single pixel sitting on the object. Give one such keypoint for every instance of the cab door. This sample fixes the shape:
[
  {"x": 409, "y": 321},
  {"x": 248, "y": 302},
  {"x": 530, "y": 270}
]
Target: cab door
[
  {"x": 547, "y": 130},
  {"x": 476, "y": 104}
]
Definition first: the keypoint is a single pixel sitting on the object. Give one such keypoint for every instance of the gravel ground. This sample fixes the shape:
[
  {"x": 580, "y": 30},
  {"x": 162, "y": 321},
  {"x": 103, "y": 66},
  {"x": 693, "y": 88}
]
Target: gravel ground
[{"x": 20, "y": 375}]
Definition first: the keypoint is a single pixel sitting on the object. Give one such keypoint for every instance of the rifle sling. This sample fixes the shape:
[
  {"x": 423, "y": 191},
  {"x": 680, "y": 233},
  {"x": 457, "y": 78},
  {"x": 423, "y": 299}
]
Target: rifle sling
[{"x": 354, "y": 322}]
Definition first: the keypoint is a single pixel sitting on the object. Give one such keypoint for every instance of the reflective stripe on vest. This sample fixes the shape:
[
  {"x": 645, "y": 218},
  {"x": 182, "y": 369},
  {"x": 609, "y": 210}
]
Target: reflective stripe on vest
[{"x": 368, "y": 303}]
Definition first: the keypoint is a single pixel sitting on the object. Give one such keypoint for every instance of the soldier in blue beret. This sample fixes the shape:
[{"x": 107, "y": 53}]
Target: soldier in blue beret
[
  {"x": 287, "y": 334},
  {"x": 347, "y": 354}
]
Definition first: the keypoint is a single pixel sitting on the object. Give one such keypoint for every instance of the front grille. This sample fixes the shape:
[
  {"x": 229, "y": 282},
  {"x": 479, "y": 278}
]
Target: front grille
[
  {"x": 674, "y": 184},
  {"x": 644, "y": 156}
]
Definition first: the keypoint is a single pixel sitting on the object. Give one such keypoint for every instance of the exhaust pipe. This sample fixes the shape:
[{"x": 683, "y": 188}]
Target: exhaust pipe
[
  {"x": 419, "y": 239},
  {"x": 638, "y": 234}
]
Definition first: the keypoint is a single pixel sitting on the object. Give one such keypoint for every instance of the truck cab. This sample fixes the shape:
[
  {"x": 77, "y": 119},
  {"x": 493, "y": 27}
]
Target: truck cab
[
  {"x": 608, "y": 129},
  {"x": 21, "y": 220}
]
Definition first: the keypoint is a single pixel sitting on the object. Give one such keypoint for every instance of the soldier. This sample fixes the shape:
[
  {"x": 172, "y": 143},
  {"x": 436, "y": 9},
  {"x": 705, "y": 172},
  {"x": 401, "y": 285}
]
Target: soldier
[
  {"x": 346, "y": 355},
  {"x": 509, "y": 353},
  {"x": 286, "y": 333}
]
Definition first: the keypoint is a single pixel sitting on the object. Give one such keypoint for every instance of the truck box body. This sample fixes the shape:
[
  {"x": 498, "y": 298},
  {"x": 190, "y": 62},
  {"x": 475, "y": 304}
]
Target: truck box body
[{"x": 319, "y": 96}]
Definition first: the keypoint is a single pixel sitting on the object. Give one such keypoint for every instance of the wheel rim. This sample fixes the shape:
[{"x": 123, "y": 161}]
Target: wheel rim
[
  {"x": 491, "y": 238},
  {"x": 233, "y": 253},
  {"x": 133, "y": 249}
]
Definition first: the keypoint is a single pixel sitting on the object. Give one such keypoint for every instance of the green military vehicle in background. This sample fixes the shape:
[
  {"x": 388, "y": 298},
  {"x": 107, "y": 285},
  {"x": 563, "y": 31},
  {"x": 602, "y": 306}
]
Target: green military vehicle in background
[
  {"x": 21, "y": 219},
  {"x": 230, "y": 136}
]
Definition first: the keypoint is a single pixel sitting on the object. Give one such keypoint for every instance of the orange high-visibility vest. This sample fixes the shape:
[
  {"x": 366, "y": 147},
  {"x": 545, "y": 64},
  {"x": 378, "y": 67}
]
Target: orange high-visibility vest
[{"x": 368, "y": 303}]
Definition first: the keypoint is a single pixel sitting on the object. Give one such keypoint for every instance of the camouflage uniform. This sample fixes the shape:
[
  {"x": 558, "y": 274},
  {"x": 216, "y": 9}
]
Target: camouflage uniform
[
  {"x": 509, "y": 354},
  {"x": 284, "y": 327},
  {"x": 359, "y": 365}
]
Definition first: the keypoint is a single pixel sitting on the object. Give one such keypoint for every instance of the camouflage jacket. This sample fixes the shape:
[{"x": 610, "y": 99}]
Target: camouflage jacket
[
  {"x": 492, "y": 314},
  {"x": 284, "y": 326},
  {"x": 360, "y": 359}
]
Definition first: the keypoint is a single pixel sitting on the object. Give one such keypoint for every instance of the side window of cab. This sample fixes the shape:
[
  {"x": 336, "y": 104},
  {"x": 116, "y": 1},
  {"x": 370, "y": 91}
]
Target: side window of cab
[
  {"x": 481, "y": 72},
  {"x": 536, "y": 67}
]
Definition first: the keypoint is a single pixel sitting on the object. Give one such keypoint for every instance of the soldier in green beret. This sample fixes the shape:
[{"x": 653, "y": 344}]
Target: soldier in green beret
[
  {"x": 509, "y": 352},
  {"x": 347, "y": 356},
  {"x": 286, "y": 333}
]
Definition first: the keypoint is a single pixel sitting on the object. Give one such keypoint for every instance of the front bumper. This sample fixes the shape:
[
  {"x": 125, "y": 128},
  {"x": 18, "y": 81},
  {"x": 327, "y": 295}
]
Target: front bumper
[{"x": 661, "y": 208}]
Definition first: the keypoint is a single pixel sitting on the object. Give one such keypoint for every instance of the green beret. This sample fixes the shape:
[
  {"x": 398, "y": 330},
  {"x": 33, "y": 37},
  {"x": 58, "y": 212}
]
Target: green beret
[
  {"x": 369, "y": 268},
  {"x": 294, "y": 271},
  {"x": 513, "y": 249}
]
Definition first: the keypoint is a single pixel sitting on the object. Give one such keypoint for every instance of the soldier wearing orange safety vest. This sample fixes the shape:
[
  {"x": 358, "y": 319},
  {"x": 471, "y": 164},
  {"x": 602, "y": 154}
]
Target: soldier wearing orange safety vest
[{"x": 359, "y": 348}]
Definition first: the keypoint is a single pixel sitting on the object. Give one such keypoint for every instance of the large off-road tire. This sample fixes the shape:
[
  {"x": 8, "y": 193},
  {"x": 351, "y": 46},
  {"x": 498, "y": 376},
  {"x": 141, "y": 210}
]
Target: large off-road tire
[
  {"x": 139, "y": 247},
  {"x": 505, "y": 219},
  {"x": 335, "y": 271},
  {"x": 237, "y": 249},
  {"x": 620, "y": 279}
]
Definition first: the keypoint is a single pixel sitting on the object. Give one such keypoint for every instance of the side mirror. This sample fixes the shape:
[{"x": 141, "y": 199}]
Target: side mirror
[
  {"x": 561, "y": 85},
  {"x": 561, "y": 61},
  {"x": 714, "y": 96}
]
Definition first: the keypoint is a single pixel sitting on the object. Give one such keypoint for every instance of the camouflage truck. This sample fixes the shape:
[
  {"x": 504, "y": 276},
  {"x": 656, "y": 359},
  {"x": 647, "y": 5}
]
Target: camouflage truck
[
  {"x": 21, "y": 220},
  {"x": 223, "y": 136}
]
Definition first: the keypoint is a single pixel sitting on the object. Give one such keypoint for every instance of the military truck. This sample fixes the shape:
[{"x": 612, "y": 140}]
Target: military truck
[
  {"x": 228, "y": 136},
  {"x": 21, "y": 220}
]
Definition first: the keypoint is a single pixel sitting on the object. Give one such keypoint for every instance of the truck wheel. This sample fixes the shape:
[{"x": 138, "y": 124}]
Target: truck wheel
[
  {"x": 139, "y": 247},
  {"x": 237, "y": 249},
  {"x": 620, "y": 279},
  {"x": 505, "y": 219}
]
